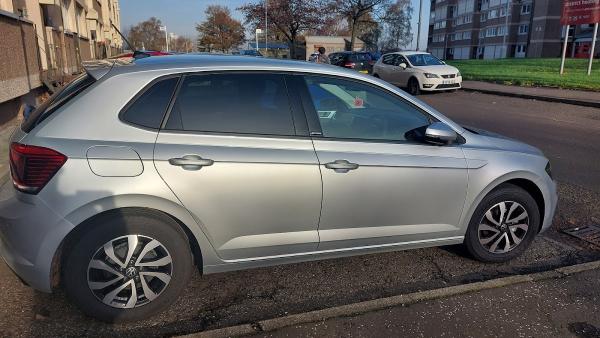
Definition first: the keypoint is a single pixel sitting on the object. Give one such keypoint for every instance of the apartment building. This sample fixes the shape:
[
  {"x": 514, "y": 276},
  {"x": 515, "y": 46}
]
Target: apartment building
[
  {"x": 44, "y": 42},
  {"x": 490, "y": 29}
]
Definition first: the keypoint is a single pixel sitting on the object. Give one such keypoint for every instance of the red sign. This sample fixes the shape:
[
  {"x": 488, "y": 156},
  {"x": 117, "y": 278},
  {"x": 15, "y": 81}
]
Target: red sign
[{"x": 579, "y": 12}]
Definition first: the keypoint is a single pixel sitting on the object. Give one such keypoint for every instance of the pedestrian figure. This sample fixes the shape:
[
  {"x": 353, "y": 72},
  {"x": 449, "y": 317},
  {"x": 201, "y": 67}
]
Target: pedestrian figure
[{"x": 322, "y": 57}]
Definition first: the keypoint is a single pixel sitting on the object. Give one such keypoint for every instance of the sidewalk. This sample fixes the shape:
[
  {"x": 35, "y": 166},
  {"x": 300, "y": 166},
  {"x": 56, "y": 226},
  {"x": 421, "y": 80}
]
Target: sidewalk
[
  {"x": 576, "y": 97},
  {"x": 555, "y": 307}
]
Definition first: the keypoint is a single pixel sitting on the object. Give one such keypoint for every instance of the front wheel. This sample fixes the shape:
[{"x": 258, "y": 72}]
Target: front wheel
[
  {"x": 503, "y": 225},
  {"x": 127, "y": 265},
  {"x": 414, "y": 88}
]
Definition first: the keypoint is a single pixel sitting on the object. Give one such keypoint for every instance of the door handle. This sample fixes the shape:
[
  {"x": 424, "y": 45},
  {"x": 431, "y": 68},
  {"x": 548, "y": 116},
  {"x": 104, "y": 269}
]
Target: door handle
[
  {"x": 341, "y": 166},
  {"x": 191, "y": 162}
]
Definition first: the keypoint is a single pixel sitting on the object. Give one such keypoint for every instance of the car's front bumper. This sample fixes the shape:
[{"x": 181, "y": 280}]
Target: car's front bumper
[
  {"x": 440, "y": 84},
  {"x": 30, "y": 234},
  {"x": 551, "y": 203}
]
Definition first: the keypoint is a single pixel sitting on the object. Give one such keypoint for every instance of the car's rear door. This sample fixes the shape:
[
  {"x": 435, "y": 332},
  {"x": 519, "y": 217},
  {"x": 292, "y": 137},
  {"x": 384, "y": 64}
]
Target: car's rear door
[
  {"x": 230, "y": 150},
  {"x": 381, "y": 184}
]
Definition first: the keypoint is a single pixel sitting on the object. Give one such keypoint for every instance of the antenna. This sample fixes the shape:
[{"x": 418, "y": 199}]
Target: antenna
[{"x": 122, "y": 36}]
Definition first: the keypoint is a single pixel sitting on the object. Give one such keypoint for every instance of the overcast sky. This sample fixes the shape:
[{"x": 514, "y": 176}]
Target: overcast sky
[{"x": 181, "y": 16}]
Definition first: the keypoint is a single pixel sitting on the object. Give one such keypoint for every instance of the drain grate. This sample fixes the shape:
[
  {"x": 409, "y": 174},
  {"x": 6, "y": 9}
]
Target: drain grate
[{"x": 589, "y": 233}]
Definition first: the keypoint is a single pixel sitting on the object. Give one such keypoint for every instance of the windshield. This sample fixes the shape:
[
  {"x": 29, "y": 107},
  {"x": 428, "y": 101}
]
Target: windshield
[{"x": 418, "y": 60}]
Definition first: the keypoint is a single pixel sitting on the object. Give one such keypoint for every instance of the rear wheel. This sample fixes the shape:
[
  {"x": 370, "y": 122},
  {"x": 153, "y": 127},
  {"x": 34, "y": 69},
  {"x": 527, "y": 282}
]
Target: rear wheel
[
  {"x": 503, "y": 225},
  {"x": 130, "y": 265},
  {"x": 376, "y": 75},
  {"x": 414, "y": 88}
]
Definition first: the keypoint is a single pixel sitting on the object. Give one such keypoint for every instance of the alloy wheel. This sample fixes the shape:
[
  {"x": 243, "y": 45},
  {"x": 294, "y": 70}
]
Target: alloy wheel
[
  {"x": 503, "y": 227},
  {"x": 129, "y": 271}
]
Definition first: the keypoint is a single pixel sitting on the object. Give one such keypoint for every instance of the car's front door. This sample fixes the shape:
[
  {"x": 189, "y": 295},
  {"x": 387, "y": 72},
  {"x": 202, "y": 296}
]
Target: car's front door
[
  {"x": 401, "y": 75},
  {"x": 230, "y": 152},
  {"x": 381, "y": 184}
]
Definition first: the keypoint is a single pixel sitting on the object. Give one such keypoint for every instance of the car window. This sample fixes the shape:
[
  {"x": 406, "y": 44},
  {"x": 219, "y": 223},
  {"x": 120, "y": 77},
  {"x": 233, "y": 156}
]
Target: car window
[
  {"x": 389, "y": 59},
  {"x": 352, "y": 110},
  {"x": 400, "y": 59},
  {"x": 149, "y": 109},
  {"x": 247, "y": 103},
  {"x": 424, "y": 60}
]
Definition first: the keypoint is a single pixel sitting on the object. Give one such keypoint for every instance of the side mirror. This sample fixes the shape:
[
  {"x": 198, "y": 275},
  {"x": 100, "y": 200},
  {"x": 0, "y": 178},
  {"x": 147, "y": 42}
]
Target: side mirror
[
  {"x": 440, "y": 133},
  {"x": 403, "y": 65}
]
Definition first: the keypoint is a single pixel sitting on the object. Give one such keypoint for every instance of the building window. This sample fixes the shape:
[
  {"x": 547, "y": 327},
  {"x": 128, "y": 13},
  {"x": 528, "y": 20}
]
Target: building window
[
  {"x": 502, "y": 12},
  {"x": 482, "y": 34},
  {"x": 493, "y": 14},
  {"x": 501, "y": 31},
  {"x": 526, "y": 9},
  {"x": 491, "y": 31},
  {"x": 523, "y": 29},
  {"x": 483, "y": 17},
  {"x": 521, "y": 49}
]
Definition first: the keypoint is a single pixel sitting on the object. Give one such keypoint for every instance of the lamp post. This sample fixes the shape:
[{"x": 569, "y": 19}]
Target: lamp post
[
  {"x": 266, "y": 25},
  {"x": 258, "y": 31},
  {"x": 419, "y": 24},
  {"x": 164, "y": 28}
]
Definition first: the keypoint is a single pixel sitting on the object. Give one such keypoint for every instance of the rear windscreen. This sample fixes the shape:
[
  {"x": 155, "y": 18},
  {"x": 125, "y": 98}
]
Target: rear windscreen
[{"x": 57, "y": 100}]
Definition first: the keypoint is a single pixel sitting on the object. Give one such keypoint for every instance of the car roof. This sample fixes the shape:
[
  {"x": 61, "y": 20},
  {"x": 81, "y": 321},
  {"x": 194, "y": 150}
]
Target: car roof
[
  {"x": 191, "y": 62},
  {"x": 408, "y": 52}
]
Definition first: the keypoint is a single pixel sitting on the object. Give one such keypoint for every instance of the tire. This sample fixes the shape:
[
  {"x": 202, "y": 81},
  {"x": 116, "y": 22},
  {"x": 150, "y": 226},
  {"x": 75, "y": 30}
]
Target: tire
[
  {"x": 376, "y": 75},
  {"x": 118, "y": 229},
  {"x": 414, "y": 88},
  {"x": 509, "y": 239}
]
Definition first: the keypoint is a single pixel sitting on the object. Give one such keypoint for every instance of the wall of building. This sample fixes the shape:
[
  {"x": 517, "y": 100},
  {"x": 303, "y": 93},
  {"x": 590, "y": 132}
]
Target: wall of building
[{"x": 19, "y": 60}]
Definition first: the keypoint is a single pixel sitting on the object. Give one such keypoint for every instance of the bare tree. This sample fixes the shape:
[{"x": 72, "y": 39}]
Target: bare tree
[
  {"x": 397, "y": 23},
  {"x": 288, "y": 17},
  {"x": 354, "y": 10},
  {"x": 182, "y": 44},
  {"x": 147, "y": 35},
  {"x": 220, "y": 31}
]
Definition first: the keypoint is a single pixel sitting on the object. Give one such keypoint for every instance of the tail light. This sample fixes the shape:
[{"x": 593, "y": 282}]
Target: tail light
[
  {"x": 31, "y": 167},
  {"x": 349, "y": 64}
]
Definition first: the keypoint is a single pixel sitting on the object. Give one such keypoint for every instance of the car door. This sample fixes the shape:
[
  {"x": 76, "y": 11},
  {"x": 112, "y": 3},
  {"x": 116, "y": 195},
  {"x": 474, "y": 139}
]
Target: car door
[
  {"x": 382, "y": 184},
  {"x": 387, "y": 67},
  {"x": 401, "y": 75},
  {"x": 229, "y": 150}
]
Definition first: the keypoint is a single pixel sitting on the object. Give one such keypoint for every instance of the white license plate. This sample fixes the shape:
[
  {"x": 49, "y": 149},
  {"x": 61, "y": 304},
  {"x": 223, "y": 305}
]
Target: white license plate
[{"x": 448, "y": 82}]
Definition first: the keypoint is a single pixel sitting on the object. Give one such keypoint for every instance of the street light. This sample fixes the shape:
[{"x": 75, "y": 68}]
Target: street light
[
  {"x": 164, "y": 28},
  {"x": 258, "y": 31}
]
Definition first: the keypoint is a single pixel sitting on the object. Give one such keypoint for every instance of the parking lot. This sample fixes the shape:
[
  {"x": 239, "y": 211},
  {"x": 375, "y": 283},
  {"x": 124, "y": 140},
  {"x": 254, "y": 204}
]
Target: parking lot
[{"x": 569, "y": 135}]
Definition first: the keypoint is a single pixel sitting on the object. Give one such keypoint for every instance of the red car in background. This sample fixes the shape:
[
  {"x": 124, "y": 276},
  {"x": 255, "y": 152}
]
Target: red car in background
[{"x": 140, "y": 54}]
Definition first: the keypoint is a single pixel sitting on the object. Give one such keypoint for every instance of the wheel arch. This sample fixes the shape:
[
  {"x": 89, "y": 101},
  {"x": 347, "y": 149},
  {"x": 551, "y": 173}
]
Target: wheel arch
[
  {"x": 525, "y": 180},
  {"x": 83, "y": 218}
]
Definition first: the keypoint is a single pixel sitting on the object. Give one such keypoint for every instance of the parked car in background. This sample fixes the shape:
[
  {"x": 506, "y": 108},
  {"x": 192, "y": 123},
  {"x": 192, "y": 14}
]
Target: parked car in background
[
  {"x": 140, "y": 54},
  {"x": 417, "y": 71},
  {"x": 135, "y": 173},
  {"x": 250, "y": 52},
  {"x": 359, "y": 61}
]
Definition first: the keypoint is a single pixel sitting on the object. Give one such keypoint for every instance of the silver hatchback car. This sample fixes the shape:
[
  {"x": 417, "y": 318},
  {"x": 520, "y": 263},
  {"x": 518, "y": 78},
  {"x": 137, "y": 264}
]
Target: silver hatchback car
[{"x": 136, "y": 172}]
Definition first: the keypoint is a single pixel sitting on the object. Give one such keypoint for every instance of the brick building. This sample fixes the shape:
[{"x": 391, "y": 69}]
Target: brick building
[{"x": 490, "y": 29}]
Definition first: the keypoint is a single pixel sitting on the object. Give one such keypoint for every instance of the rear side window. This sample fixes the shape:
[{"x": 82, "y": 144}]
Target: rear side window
[
  {"x": 149, "y": 108},
  {"x": 57, "y": 100},
  {"x": 248, "y": 103}
]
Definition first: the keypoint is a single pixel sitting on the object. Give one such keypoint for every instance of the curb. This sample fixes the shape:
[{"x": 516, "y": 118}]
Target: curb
[
  {"x": 383, "y": 303},
  {"x": 575, "y": 102}
]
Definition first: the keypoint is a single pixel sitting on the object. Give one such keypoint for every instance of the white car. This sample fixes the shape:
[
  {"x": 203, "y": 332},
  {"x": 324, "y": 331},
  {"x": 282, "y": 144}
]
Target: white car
[{"x": 417, "y": 71}]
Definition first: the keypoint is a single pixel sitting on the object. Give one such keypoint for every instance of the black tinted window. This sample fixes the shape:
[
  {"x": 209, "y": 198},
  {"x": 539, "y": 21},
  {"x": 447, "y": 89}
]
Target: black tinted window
[
  {"x": 149, "y": 109},
  {"x": 233, "y": 103},
  {"x": 349, "y": 109},
  {"x": 389, "y": 59}
]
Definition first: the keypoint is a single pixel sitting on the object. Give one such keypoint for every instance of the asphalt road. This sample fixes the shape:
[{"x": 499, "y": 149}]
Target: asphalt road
[
  {"x": 569, "y": 135},
  {"x": 562, "y": 307}
]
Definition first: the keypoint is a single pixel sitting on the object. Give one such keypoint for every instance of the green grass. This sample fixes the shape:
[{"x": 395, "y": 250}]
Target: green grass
[{"x": 532, "y": 72}]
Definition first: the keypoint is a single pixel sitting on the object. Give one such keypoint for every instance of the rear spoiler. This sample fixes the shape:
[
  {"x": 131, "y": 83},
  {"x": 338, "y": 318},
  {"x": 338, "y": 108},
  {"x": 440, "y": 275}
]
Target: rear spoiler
[{"x": 98, "y": 68}]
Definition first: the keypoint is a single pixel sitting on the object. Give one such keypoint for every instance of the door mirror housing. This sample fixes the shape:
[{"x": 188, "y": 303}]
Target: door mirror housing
[
  {"x": 403, "y": 65},
  {"x": 440, "y": 133}
]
